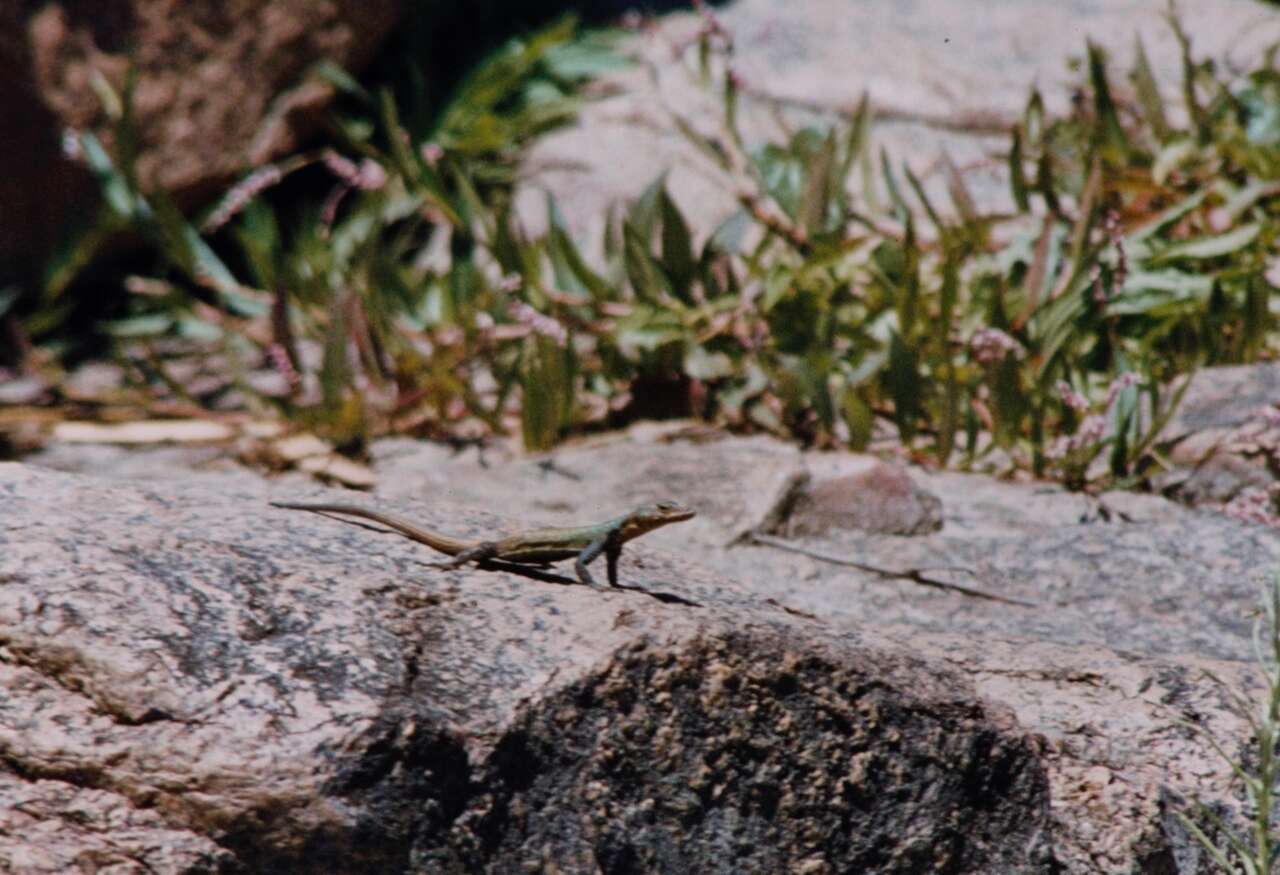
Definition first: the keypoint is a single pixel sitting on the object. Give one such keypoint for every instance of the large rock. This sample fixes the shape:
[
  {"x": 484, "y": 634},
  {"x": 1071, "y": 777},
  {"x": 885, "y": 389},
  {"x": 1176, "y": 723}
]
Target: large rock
[
  {"x": 1222, "y": 445},
  {"x": 220, "y": 86},
  {"x": 239, "y": 685},
  {"x": 199, "y": 682}
]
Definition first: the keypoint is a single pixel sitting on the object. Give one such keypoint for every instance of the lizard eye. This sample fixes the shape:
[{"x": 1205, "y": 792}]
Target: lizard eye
[{"x": 666, "y": 505}]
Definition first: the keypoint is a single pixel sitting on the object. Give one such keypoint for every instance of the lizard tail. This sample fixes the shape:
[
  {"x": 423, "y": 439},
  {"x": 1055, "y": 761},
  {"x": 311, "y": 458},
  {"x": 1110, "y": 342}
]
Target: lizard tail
[{"x": 442, "y": 543}]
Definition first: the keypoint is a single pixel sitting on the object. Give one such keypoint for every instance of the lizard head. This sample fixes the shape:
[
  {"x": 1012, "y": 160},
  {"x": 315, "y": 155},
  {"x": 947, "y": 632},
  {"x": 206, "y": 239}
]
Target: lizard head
[{"x": 651, "y": 516}]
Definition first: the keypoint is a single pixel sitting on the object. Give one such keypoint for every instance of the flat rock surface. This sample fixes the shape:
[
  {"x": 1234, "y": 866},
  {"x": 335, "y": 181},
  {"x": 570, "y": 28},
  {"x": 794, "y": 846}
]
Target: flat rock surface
[{"x": 1138, "y": 574}]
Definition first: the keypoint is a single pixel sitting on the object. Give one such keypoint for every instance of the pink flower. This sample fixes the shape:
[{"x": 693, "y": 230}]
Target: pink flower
[
  {"x": 1119, "y": 384},
  {"x": 71, "y": 148},
  {"x": 540, "y": 323},
  {"x": 240, "y": 194},
  {"x": 279, "y": 359},
  {"x": 1071, "y": 398},
  {"x": 990, "y": 345},
  {"x": 1090, "y": 433},
  {"x": 369, "y": 175},
  {"x": 372, "y": 176},
  {"x": 431, "y": 153}
]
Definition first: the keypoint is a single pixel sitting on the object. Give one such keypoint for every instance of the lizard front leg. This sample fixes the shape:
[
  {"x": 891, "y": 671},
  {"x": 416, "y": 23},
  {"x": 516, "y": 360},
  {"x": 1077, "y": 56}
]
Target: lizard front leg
[
  {"x": 589, "y": 554},
  {"x": 611, "y": 554}
]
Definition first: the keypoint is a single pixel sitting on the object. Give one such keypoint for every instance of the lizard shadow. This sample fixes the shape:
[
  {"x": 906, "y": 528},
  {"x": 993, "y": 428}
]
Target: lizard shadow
[{"x": 667, "y": 598}]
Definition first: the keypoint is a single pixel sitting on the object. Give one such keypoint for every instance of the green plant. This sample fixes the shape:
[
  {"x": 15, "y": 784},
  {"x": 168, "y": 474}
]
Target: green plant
[
  {"x": 1132, "y": 257},
  {"x": 1257, "y": 853},
  {"x": 839, "y": 295},
  {"x": 388, "y": 294}
]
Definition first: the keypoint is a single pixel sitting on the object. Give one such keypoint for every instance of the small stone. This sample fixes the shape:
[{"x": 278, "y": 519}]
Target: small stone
[
  {"x": 297, "y": 447},
  {"x": 160, "y": 431},
  {"x": 22, "y": 390},
  {"x": 883, "y": 499},
  {"x": 341, "y": 469}
]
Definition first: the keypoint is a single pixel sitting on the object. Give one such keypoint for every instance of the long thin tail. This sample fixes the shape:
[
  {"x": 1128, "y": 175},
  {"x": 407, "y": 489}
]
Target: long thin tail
[{"x": 443, "y": 543}]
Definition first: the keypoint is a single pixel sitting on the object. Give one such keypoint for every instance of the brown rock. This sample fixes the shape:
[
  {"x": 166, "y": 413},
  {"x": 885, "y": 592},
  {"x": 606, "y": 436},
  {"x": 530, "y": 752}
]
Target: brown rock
[
  {"x": 243, "y": 686},
  {"x": 219, "y": 88},
  {"x": 1224, "y": 439},
  {"x": 881, "y": 499}
]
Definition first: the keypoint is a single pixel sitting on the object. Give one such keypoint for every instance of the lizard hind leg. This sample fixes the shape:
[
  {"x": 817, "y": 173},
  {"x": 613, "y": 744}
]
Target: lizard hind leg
[{"x": 478, "y": 553}]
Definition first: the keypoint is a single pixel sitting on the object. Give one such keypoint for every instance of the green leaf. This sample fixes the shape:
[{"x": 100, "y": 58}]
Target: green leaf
[
  {"x": 180, "y": 240},
  {"x": 200, "y": 330},
  {"x": 905, "y": 386},
  {"x": 1056, "y": 321},
  {"x": 1165, "y": 218},
  {"x": 1017, "y": 175},
  {"x": 1171, "y": 156},
  {"x": 647, "y": 329},
  {"x": 1107, "y": 131},
  {"x": 677, "y": 249},
  {"x": 704, "y": 144},
  {"x": 116, "y": 191},
  {"x": 588, "y": 55},
  {"x": 924, "y": 200},
  {"x": 1194, "y": 110},
  {"x": 1122, "y": 422},
  {"x": 909, "y": 292},
  {"x": 891, "y": 186},
  {"x": 1256, "y": 190},
  {"x": 8, "y": 297},
  {"x": 948, "y": 294},
  {"x": 334, "y": 367},
  {"x": 782, "y": 176},
  {"x": 647, "y": 209},
  {"x": 777, "y": 285},
  {"x": 1033, "y": 119},
  {"x": 259, "y": 237},
  {"x": 570, "y": 269},
  {"x": 753, "y": 382},
  {"x": 819, "y": 188},
  {"x": 1149, "y": 292},
  {"x": 1259, "y": 101},
  {"x": 398, "y": 137},
  {"x": 856, "y": 143},
  {"x": 702, "y": 364},
  {"x": 645, "y": 274},
  {"x": 140, "y": 326},
  {"x": 1045, "y": 184},
  {"x": 959, "y": 192},
  {"x": 730, "y": 103},
  {"x": 1211, "y": 246},
  {"x": 547, "y": 382},
  {"x": 1144, "y": 84},
  {"x": 339, "y": 78},
  {"x": 729, "y": 234},
  {"x": 858, "y": 417}
]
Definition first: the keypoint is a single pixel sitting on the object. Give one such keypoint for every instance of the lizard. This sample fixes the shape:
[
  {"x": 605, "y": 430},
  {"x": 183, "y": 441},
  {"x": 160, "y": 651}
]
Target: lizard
[{"x": 540, "y": 547}]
